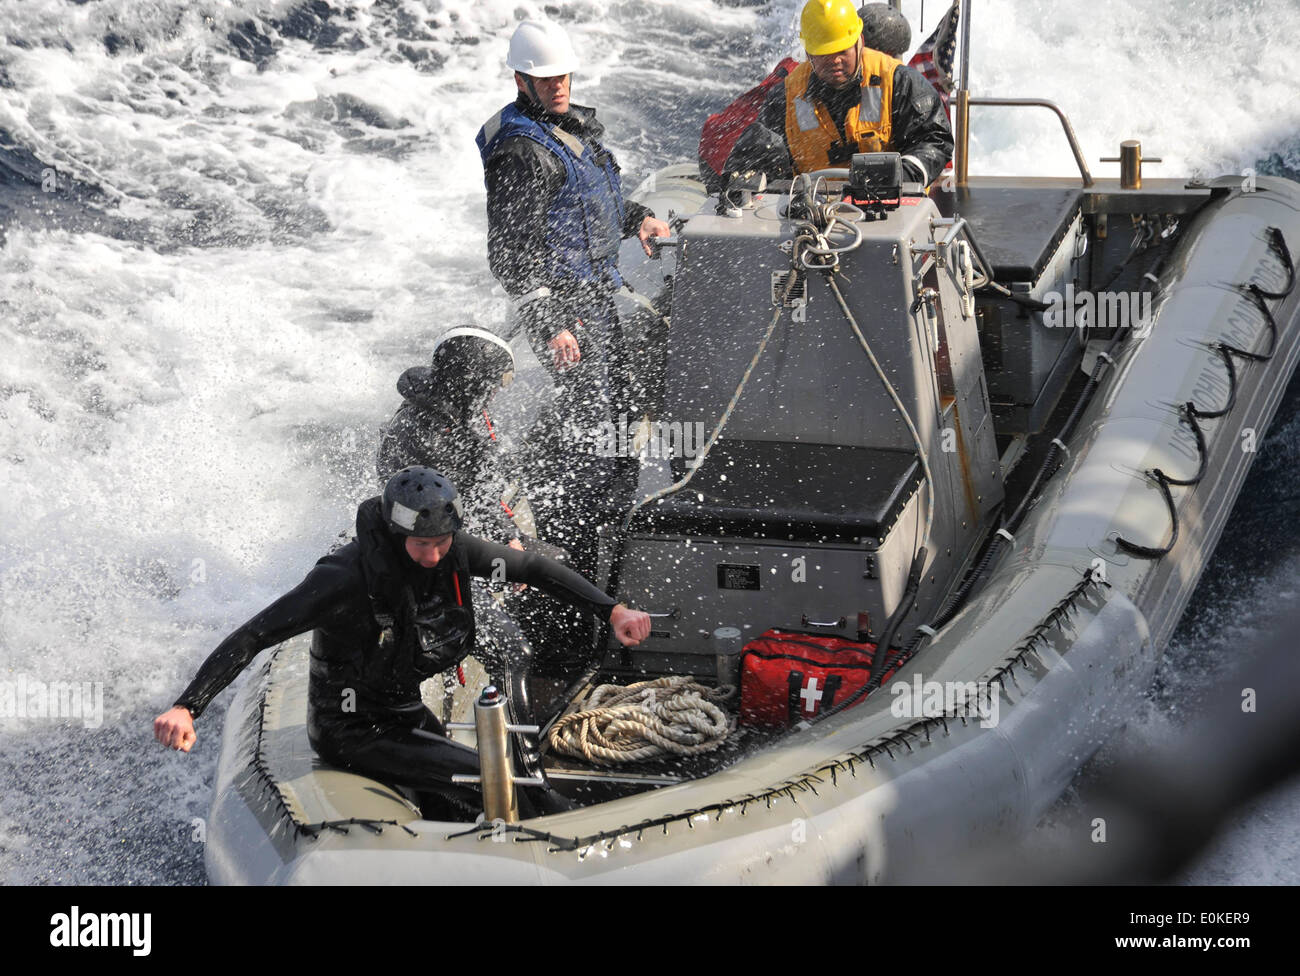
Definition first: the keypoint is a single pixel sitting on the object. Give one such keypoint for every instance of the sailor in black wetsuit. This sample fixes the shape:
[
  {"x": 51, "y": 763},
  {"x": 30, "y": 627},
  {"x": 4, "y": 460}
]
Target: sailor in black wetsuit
[
  {"x": 443, "y": 423},
  {"x": 389, "y": 609}
]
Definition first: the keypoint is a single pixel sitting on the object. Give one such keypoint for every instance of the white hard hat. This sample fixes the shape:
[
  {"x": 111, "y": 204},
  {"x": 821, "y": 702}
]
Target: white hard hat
[{"x": 542, "y": 49}]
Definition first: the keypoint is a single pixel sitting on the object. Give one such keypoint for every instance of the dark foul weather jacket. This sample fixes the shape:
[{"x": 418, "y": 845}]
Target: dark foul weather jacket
[
  {"x": 920, "y": 130},
  {"x": 555, "y": 210},
  {"x": 427, "y": 430}
]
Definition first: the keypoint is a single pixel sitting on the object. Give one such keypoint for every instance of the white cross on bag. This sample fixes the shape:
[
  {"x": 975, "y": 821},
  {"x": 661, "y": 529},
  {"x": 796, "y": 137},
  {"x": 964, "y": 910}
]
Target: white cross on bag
[{"x": 811, "y": 695}]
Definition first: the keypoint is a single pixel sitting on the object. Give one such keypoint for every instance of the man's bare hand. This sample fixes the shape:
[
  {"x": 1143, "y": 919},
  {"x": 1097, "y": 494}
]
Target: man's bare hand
[
  {"x": 652, "y": 227},
  {"x": 565, "y": 348},
  {"x": 175, "y": 728},
  {"x": 631, "y": 627}
]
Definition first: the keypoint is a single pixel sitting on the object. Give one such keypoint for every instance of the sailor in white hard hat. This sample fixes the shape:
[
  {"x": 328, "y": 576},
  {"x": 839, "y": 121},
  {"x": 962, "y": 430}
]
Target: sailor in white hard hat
[{"x": 556, "y": 217}]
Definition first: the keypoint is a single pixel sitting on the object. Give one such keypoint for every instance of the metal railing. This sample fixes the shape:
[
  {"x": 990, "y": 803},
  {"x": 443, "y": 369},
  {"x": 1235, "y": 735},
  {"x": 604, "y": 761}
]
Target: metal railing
[
  {"x": 961, "y": 157},
  {"x": 961, "y": 153}
]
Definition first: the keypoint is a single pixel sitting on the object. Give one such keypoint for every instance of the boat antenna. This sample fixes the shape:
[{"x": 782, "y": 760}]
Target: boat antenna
[
  {"x": 964, "y": 18},
  {"x": 961, "y": 101}
]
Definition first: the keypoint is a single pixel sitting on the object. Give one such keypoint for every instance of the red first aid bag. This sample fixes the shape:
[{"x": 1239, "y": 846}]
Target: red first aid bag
[
  {"x": 786, "y": 677},
  {"x": 722, "y": 129}
]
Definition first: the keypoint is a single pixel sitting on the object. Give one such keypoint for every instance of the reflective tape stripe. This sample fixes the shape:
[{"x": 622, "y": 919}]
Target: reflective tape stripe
[
  {"x": 482, "y": 335},
  {"x": 532, "y": 296},
  {"x": 569, "y": 139},
  {"x": 871, "y": 105},
  {"x": 805, "y": 115},
  {"x": 925, "y": 173},
  {"x": 491, "y": 127},
  {"x": 403, "y": 516}
]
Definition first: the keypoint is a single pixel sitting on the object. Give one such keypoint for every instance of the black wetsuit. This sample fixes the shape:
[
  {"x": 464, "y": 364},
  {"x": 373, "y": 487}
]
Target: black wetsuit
[
  {"x": 369, "y": 605},
  {"x": 432, "y": 429}
]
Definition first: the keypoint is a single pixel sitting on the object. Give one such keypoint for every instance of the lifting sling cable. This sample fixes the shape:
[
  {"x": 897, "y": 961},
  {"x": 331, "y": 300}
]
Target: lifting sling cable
[{"x": 898, "y": 405}]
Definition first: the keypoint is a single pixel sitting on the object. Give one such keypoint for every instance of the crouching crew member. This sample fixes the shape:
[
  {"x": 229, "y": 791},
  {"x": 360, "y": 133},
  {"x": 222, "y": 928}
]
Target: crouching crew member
[
  {"x": 388, "y": 610},
  {"x": 443, "y": 423}
]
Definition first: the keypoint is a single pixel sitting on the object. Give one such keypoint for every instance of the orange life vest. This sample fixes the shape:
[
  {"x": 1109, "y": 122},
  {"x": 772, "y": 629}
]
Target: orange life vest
[{"x": 809, "y": 128}]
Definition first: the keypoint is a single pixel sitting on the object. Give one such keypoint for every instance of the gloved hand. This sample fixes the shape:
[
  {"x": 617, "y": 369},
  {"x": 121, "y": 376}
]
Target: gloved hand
[{"x": 912, "y": 173}]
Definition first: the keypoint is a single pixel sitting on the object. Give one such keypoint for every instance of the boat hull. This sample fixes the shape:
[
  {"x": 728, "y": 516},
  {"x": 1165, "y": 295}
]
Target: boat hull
[{"x": 1067, "y": 625}]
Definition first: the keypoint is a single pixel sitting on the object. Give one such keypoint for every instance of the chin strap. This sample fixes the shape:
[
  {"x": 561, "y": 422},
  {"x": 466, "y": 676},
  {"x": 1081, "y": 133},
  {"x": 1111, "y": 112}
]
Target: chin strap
[{"x": 537, "y": 99}]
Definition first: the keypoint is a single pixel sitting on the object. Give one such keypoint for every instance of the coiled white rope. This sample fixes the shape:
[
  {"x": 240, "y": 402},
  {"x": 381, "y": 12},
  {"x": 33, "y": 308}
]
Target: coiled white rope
[{"x": 670, "y": 716}]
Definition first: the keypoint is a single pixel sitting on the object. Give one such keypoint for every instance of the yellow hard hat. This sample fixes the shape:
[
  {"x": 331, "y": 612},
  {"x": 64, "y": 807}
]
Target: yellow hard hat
[{"x": 828, "y": 26}]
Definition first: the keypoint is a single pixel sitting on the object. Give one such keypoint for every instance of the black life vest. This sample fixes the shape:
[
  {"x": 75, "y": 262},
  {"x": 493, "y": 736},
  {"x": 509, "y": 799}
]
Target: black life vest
[{"x": 421, "y": 633}]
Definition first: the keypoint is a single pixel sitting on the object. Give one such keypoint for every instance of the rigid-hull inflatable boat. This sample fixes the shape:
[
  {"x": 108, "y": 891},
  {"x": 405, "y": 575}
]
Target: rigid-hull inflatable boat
[{"x": 999, "y": 433}]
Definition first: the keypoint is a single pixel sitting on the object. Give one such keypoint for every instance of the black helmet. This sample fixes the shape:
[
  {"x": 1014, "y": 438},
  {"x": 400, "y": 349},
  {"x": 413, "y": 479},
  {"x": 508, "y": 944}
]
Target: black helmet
[
  {"x": 468, "y": 366},
  {"x": 885, "y": 29},
  {"x": 421, "y": 502}
]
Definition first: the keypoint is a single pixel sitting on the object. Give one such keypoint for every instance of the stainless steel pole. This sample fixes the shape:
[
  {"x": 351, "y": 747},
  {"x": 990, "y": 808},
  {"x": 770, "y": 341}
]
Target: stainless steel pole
[
  {"x": 965, "y": 44},
  {"x": 494, "y": 757},
  {"x": 961, "y": 137}
]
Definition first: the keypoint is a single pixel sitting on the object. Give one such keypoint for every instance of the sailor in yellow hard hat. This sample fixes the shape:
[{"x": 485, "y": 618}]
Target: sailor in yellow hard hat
[{"x": 845, "y": 99}]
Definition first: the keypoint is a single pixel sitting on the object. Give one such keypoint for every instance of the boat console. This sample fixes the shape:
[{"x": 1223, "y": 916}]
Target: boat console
[
  {"x": 797, "y": 351},
  {"x": 1034, "y": 239}
]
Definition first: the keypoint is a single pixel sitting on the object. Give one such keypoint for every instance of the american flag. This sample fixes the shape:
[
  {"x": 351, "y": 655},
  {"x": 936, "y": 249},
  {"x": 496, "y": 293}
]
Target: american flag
[{"x": 934, "y": 58}]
